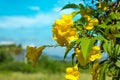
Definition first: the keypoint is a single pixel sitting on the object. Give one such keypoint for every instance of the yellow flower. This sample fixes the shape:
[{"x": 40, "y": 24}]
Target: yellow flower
[
  {"x": 90, "y": 26},
  {"x": 99, "y": 5},
  {"x": 79, "y": 56},
  {"x": 72, "y": 73},
  {"x": 59, "y": 22},
  {"x": 72, "y": 35},
  {"x": 91, "y": 23},
  {"x": 98, "y": 55},
  {"x": 94, "y": 21},
  {"x": 96, "y": 48},
  {"x": 62, "y": 41},
  {"x": 87, "y": 17},
  {"x": 67, "y": 19},
  {"x": 34, "y": 53},
  {"x": 95, "y": 56},
  {"x": 95, "y": 53},
  {"x": 63, "y": 32},
  {"x": 105, "y": 9}
]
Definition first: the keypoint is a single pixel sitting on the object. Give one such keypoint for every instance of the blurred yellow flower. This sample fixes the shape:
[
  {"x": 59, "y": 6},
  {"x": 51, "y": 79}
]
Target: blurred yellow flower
[
  {"x": 72, "y": 73},
  {"x": 67, "y": 18},
  {"x": 95, "y": 56},
  {"x": 72, "y": 34},
  {"x": 90, "y": 26},
  {"x": 62, "y": 40},
  {"x": 105, "y": 9},
  {"x": 34, "y": 53},
  {"x": 96, "y": 48},
  {"x": 94, "y": 21},
  {"x": 87, "y": 17},
  {"x": 63, "y": 32},
  {"x": 99, "y": 5},
  {"x": 95, "y": 53},
  {"x": 91, "y": 23},
  {"x": 79, "y": 56}
]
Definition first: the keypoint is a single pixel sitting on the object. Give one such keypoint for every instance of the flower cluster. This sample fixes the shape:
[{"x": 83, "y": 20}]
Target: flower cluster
[
  {"x": 91, "y": 22},
  {"x": 72, "y": 73},
  {"x": 63, "y": 31},
  {"x": 95, "y": 53}
]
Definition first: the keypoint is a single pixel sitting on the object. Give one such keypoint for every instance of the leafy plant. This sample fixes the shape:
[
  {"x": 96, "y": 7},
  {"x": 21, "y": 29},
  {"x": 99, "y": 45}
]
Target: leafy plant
[{"x": 97, "y": 31}]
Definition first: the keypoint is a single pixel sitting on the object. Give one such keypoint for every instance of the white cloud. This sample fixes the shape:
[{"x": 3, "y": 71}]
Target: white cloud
[
  {"x": 34, "y": 8},
  {"x": 40, "y": 19}
]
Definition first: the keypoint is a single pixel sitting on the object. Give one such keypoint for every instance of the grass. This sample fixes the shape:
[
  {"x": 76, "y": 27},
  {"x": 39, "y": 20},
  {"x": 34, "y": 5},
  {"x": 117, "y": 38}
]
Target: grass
[
  {"x": 46, "y": 69},
  {"x": 38, "y": 76}
]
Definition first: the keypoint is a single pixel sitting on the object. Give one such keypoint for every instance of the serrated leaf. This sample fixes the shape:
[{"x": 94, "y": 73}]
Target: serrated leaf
[
  {"x": 70, "y": 6},
  {"x": 68, "y": 49},
  {"x": 118, "y": 63}
]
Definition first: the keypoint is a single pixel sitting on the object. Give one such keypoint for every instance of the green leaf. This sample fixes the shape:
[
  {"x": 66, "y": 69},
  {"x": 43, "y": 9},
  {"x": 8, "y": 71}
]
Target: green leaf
[
  {"x": 117, "y": 35},
  {"x": 118, "y": 63},
  {"x": 86, "y": 46},
  {"x": 117, "y": 50},
  {"x": 81, "y": 6},
  {"x": 115, "y": 15},
  {"x": 70, "y": 6},
  {"x": 100, "y": 38},
  {"x": 117, "y": 25},
  {"x": 68, "y": 49},
  {"x": 102, "y": 25},
  {"x": 78, "y": 40},
  {"x": 75, "y": 13},
  {"x": 73, "y": 56},
  {"x": 109, "y": 47},
  {"x": 102, "y": 73},
  {"x": 105, "y": 45}
]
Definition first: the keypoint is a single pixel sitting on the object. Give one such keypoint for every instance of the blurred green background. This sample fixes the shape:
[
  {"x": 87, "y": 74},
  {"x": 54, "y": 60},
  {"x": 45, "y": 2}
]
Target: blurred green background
[{"x": 14, "y": 67}]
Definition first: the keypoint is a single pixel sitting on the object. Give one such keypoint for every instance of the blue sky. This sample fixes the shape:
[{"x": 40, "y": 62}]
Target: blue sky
[{"x": 29, "y": 22}]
